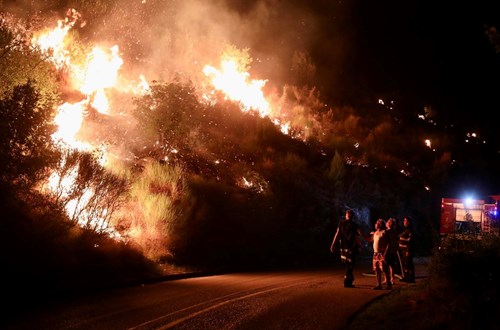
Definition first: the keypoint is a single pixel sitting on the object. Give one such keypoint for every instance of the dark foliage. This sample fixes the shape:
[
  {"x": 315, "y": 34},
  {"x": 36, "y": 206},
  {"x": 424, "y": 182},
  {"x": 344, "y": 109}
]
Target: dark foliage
[
  {"x": 46, "y": 257},
  {"x": 464, "y": 281},
  {"x": 26, "y": 126},
  {"x": 168, "y": 112}
]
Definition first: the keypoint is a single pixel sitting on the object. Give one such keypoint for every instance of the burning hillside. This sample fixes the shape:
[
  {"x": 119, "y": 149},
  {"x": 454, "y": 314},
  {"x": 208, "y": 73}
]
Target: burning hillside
[
  {"x": 138, "y": 150},
  {"x": 101, "y": 122}
]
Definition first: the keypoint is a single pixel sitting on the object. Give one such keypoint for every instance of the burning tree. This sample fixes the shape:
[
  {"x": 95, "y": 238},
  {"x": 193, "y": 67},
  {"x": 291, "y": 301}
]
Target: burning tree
[{"x": 88, "y": 192}]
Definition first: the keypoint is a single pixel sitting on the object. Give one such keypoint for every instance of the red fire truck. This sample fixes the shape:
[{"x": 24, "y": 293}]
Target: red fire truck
[{"x": 469, "y": 216}]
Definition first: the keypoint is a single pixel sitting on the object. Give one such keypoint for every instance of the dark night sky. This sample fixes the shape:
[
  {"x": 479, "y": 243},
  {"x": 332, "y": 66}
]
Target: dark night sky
[
  {"x": 438, "y": 54},
  {"x": 442, "y": 56}
]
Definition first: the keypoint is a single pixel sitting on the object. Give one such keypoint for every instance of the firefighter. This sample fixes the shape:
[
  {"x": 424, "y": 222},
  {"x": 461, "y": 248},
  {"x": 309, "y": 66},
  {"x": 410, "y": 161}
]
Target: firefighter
[
  {"x": 406, "y": 248},
  {"x": 392, "y": 255},
  {"x": 348, "y": 233}
]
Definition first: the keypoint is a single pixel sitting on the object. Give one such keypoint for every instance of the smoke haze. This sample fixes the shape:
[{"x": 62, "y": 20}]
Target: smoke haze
[{"x": 164, "y": 38}]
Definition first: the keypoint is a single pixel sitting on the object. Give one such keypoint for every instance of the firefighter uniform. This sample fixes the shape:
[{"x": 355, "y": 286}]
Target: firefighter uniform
[{"x": 405, "y": 247}]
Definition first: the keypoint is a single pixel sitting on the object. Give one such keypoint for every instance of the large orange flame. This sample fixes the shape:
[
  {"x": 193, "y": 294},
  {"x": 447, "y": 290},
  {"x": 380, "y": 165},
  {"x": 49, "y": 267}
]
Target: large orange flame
[
  {"x": 238, "y": 87},
  {"x": 98, "y": 73},
  {"x": 52, "y": 41}
]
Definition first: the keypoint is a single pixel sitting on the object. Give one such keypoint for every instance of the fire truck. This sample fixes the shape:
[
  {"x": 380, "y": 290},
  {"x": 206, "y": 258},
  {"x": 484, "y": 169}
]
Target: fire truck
[{"x": 469, "y": 216}]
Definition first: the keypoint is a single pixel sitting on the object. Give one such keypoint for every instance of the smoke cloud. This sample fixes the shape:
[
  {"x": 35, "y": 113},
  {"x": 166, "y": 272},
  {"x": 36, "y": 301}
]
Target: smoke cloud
[
  {"x": 180, "y": 37},
  {"x": 161, "y": 38}
]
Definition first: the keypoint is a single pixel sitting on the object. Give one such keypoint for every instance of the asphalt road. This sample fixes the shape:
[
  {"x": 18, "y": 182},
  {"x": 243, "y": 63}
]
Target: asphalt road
[{"x": 298, "y": 299}]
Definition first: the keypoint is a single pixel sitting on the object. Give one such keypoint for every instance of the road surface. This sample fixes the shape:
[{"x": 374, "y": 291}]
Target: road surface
[{"x": 307, "y": 299}]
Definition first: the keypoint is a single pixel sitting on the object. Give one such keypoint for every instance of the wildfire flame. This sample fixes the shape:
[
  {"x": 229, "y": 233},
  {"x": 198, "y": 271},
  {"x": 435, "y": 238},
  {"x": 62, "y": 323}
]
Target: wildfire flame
[
  {"x": 52, "y": 42},
  {"x": 98, "y": 73},
  {"x": 69, "y": 120},
  {"x": 238, "y": 87}
]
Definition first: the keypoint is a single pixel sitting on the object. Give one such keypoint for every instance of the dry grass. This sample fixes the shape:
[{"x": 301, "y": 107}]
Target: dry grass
[{"x": 151, "y": 212}]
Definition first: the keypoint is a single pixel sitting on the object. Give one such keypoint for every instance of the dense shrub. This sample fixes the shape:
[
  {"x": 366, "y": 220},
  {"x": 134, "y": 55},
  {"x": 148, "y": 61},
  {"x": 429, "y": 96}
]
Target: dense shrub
[
  {"x": 153, "y": 208},
  {"x": 464, "y": 280},
  {"x": 26, "y": 126}
]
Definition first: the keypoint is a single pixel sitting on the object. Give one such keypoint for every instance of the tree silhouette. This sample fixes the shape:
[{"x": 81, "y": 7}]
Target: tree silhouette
[{"x": 26, "y": 126}]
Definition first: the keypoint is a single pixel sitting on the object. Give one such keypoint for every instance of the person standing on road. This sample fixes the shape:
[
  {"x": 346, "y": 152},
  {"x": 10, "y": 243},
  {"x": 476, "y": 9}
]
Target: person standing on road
[
  {"x": 380, "y": 239},
  {"x": 406, "y": 251},
  {"x": 348, "y": 234},
  {"x": 391, "y": 256}
]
